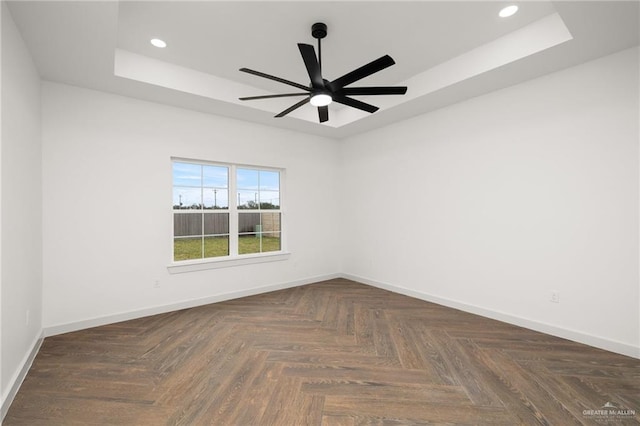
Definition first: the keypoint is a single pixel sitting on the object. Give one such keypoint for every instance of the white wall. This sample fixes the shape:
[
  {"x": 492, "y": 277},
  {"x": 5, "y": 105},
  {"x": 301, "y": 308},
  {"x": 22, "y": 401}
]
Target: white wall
[
  {"x": 107, "y": 204},
  {"x": 493, "y": 203},
  {"x": 501, "y": 200},
  {"x": 21, "y": 201}
]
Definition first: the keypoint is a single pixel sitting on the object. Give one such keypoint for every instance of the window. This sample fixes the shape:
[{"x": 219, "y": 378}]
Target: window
[{"x": 224, "y": 210}]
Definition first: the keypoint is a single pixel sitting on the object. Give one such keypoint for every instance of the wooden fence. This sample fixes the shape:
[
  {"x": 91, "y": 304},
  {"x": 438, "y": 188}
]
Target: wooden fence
[{"x": 185, "y": 224}]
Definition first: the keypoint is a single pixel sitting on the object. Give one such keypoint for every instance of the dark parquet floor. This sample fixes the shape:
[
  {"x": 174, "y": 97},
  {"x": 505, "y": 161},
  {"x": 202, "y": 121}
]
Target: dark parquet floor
[{"x": 331, "y": 353}]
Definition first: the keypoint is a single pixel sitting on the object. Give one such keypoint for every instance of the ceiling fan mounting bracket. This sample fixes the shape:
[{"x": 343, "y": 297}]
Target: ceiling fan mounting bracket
[{"x": 319, "y": 30}]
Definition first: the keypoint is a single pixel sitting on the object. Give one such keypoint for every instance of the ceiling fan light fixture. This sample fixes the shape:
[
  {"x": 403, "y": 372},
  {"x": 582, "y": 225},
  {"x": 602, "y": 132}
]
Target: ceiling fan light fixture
[
  {"x": 158, "y": 43},
  {"x": 508, "y": 11},
  {"x": 321, "y": 99}
]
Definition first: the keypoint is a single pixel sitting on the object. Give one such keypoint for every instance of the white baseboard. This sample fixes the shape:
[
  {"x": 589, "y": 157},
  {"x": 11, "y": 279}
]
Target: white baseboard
[
  {"x": 576, "y": 336},
  {"x": 154, "y": 310},
  {"x": 19, "y": 376}
]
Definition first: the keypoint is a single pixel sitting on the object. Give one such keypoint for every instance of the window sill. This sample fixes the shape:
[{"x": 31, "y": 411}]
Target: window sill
[{"x": 201, "y": 265}]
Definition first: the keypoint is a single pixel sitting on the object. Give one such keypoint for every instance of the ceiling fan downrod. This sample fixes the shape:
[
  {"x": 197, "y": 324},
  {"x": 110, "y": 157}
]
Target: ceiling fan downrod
[{"x": 319, "y": 31}]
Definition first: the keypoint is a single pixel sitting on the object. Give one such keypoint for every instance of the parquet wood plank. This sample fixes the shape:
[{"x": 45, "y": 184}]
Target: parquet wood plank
[
  {"x": 227, "y": 399},
  {"x": 345, "y": 320},
  {"x": 505, "y": 384},
  {"x": 209, "y": 370},
  {"x": 436, "y": 394},
  {"x": 412, "y": 412},
  {"x": 330, "y": 353},
  {"x": 406, "y": 345},
  {"x": 328, "y": 357},
  {"x": 383, "y": 341},
  {"x": 362, "y": 326},
  {"x": 561, "y": 390},
  {"x": 333, "y": 420},
  {"x": 254, "y": 406},
  {"x": 434, "y": 358},
  {"x": 361, "y": 373},
  {"x": 548, "y": 410},
  {"x": 283, "y": 403},
  {"x": 465, "y": 371}
]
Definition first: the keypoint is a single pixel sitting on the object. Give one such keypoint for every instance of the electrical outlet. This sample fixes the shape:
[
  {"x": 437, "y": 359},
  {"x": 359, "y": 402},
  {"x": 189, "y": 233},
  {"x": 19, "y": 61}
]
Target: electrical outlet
[
  {"x": 157, "y": 284},
  {"x": 555, "y": 297}
]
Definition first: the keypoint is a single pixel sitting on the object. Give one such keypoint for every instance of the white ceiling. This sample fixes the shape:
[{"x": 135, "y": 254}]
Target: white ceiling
[{"x": 445, "y": 52}]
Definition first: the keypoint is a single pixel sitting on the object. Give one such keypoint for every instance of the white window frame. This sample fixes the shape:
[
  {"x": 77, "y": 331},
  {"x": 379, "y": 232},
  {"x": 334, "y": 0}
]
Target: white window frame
[{"x": 233, "y": 259}]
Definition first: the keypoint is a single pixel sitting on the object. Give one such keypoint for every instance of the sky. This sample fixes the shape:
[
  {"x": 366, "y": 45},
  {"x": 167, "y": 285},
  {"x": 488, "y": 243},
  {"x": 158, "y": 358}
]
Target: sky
[{"x": 193, "y": 183}]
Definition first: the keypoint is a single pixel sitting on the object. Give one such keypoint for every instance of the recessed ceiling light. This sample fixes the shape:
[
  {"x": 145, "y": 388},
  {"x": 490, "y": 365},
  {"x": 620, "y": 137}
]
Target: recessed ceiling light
[
  {"x": 508, "y": 11},
  {"x": 158, "y": 43}
]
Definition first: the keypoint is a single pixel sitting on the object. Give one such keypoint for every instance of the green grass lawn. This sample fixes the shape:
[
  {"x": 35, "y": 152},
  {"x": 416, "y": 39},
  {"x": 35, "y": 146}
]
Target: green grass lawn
[{"x": 191, "y": 248}]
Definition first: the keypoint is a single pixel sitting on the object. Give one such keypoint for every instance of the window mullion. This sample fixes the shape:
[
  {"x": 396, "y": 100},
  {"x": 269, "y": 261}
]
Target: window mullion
[
  {"x": 202, "y": 210},
  {"x": 233, "y": 212}
]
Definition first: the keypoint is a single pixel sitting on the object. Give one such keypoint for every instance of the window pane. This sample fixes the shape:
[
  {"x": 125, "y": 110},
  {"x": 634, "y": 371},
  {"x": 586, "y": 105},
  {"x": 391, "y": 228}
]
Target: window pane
[
  {"x": 248, "y": 222},
  {"x": 248, "y": 179},
  {"x": 269, "y": 180},
  {"x": 249, "y": 243},
  {"x": 186, "y": 198},
  {"x": 214, "y": 198},
  {"x": 270, "y": 222},
  {"x": 258, "y": 232},
  {"x": 216, "y": 223},
  {"x": 185, "y": 174},
  {"x": 259, "y": 243},
  {"x": 247, "y": 199},
  {"x": 271, "y": 242},
  {"x": 187, "y": 248},
  {"x": 216, "y": 246},
  {"x": 215, "y": 176},
  {"x": 269, "y": 200},
  {"x": 187, "y": 224}
]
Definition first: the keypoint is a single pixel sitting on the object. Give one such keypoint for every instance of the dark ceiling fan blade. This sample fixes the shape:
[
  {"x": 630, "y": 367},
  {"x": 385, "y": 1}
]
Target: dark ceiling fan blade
[
  {"x": 362, "y": 72},
  {"x": 323, "y": 113},
  {"x": 372, "y": 91},
  {"x": 292, "y": 108},
  {"x": 284, "y": 95},
  {"x": 354, "y": 103},
  {"x": 278, "y": 79},
  {"x": 311, "y": 62}
]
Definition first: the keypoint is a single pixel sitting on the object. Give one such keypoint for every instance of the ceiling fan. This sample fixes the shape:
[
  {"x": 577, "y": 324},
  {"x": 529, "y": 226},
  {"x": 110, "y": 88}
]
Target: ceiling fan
[{"x": 321, "y": 92}]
